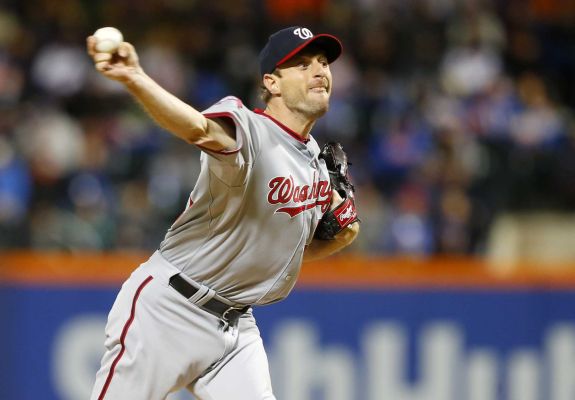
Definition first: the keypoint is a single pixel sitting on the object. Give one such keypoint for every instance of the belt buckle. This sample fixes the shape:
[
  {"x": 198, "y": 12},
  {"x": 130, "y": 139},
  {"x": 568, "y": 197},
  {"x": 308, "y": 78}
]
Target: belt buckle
[{"x": 225, "y": 316}]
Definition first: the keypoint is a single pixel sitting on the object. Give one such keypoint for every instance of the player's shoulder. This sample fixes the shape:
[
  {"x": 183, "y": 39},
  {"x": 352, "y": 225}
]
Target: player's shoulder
[
  {"x": 233, "y": 106},
  {"x": 312, "y": 144},
  {"x": 231, "y": 101}
]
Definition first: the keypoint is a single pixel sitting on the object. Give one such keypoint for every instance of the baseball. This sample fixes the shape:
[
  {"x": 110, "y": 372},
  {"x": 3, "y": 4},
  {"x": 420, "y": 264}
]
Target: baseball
[{"x": 108, "y": 39}]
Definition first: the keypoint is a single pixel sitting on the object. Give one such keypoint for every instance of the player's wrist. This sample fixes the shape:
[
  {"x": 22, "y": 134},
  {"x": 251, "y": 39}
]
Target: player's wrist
[
  {"x": 135, "y": 79},
  {"x": 348, "y": 234}
]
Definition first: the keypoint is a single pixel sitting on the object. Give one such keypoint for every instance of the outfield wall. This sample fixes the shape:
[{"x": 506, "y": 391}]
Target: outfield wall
[{"x": 354, "y": 328}]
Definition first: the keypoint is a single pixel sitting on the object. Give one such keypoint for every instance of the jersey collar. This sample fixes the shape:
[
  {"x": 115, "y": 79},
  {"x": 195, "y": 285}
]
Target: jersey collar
[{"x": 291, "y": 132}]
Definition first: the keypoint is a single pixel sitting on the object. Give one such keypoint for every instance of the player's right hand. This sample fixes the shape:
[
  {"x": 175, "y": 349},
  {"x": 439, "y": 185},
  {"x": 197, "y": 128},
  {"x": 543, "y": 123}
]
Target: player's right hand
[{"x": 121, "y": 66}]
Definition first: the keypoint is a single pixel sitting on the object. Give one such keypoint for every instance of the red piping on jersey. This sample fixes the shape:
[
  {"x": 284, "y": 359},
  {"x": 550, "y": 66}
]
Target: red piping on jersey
[
  {"x": 123, "y": 337},
  {"x": 221, "y": 115},
  {"x": 291, "y": 132}
]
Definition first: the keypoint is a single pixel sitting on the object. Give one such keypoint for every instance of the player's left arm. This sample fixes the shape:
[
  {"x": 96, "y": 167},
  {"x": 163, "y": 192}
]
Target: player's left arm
[{"x": 319, "y": 249}]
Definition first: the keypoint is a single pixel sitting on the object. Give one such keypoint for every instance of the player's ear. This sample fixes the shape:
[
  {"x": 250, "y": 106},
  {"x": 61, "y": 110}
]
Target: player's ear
[{"x": 271, "y": 83}]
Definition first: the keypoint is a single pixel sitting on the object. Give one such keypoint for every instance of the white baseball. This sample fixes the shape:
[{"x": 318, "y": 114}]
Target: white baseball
[{"x": 108, "y": 39}]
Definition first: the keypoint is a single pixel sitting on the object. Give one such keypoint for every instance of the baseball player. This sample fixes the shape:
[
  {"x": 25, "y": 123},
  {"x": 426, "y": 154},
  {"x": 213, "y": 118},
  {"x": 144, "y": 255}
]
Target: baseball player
[{"x": 184, "y": 317}]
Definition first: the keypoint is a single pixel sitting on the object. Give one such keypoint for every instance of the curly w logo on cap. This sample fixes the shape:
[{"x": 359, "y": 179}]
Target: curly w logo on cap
[
  {"x": 303, "y": 33},
  {"x": 285, "y": 44}
]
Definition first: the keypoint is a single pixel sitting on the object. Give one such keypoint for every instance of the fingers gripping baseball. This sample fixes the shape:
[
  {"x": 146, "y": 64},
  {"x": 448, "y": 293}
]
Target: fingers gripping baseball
[{"x": 119, "y": 65}]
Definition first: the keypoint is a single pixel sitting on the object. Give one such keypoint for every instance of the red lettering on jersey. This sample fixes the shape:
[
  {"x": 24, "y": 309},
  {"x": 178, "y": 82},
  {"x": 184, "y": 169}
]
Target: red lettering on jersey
[
  {"x": 303, "y": 193},
  {"x": 283, "y": 191}
]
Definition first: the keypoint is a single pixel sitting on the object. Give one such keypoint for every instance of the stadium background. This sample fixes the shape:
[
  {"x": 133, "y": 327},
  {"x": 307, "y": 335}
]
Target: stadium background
[{"x": 457, "y": 116}]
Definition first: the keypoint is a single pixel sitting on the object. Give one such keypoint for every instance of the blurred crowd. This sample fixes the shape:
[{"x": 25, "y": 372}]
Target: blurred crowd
[{"x": 452, "y": 112}]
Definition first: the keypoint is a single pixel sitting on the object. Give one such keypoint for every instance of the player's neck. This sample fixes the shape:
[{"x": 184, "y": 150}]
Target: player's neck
[{"x": 297, "y": 122}]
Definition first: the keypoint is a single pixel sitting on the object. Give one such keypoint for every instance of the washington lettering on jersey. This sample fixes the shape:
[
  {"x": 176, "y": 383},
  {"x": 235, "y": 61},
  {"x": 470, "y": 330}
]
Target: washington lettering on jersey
[
  {"x": 283, "y": 190},
  {"x": 272, "y": 175}
]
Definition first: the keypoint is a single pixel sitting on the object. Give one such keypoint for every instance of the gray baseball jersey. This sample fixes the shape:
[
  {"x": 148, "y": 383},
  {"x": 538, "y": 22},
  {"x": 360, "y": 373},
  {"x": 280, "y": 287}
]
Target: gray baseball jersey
[
  {"x": 242, "y": 236},
  {"x": 252, "y": 210}
]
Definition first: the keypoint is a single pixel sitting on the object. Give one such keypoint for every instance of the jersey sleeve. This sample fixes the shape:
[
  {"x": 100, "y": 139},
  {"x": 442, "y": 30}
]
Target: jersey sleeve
[
  {"x": 232, "y": 165},
  {"x": 232, "y": 108}
]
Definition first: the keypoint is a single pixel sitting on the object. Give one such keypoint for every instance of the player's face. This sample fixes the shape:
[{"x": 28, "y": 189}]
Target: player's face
[{"x": 305, "y": 84}]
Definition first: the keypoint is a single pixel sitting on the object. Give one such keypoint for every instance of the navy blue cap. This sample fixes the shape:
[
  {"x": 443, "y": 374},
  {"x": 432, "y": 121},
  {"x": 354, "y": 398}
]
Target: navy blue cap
[{"x": 285, "y": 44}]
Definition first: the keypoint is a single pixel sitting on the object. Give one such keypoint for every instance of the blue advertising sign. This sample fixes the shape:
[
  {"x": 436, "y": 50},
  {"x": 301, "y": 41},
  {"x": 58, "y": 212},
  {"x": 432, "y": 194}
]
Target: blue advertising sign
[{"x": 392, "y": 344}]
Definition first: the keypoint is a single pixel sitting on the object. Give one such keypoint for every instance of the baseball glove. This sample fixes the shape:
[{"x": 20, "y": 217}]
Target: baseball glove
[{"x": 334, "y": 221}]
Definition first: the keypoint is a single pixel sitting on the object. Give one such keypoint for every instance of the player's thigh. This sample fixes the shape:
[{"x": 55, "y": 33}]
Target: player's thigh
[
  {"x": 156, "y": 342},
  {"x": 243, "y": 374}
]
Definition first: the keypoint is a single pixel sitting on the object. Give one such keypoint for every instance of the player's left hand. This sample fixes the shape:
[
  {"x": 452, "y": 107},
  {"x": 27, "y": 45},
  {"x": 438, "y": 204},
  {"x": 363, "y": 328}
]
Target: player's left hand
[
  {"x": 350, "y": 232},
  {"x": 321, "y": 248},
  {"x": 343, "y": 212}
]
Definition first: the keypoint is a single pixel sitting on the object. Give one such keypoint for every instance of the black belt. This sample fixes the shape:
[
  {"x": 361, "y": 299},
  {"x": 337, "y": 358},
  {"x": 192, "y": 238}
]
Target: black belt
[{"x": 225, "y": 312}]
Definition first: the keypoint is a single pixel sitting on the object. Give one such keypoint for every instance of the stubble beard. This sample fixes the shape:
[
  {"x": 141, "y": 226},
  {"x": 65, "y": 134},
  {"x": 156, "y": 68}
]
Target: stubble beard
[{"x": 310, "y": 108}]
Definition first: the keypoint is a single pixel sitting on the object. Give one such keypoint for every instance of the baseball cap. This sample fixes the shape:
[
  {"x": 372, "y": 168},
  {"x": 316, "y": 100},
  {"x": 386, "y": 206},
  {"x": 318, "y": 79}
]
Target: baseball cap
[{"x": 285, "y": 44}]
